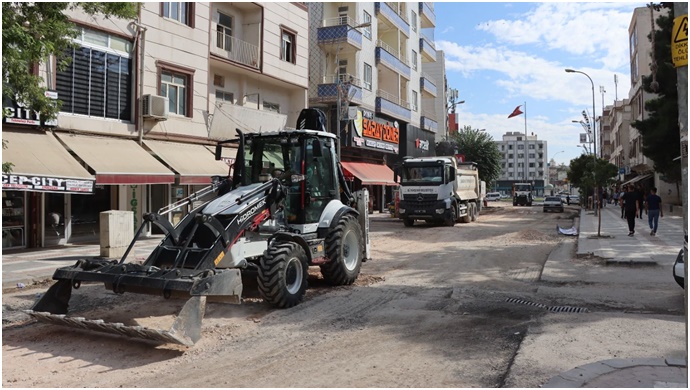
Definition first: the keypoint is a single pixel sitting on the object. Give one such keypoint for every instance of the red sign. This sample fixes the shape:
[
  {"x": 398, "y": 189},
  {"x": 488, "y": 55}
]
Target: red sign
[
  {"x": 380, "y": 131},
  {"x": 460, "y": 157}
]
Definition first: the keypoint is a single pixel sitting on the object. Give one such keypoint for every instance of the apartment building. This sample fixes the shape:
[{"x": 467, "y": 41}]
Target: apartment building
[
  {"x": 143, "y": 104},
  {"x": 523, "y": 159},
  {"x": 618, "y": 120},
  {"x": 367, "y": 71}
]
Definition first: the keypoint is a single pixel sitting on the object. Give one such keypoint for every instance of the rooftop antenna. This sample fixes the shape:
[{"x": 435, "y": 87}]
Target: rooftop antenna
[{"x": 615, "y": 81}]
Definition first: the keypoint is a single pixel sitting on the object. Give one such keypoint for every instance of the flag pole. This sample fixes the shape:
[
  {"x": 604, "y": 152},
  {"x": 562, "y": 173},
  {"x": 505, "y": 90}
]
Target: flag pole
[{"x": 526, "y": 150}]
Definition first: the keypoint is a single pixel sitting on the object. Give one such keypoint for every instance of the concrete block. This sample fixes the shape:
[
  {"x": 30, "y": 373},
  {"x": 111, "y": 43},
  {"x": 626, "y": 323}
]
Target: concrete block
[{"x": 116, "y": 233}]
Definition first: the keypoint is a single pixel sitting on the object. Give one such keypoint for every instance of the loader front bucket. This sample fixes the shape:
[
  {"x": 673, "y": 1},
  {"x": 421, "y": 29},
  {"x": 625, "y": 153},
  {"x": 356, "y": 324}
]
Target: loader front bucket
[{"x": 186, "y": 330}]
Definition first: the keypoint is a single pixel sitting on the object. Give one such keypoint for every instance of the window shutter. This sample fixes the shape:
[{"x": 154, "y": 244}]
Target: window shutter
[
  {"x": 81, "y": 80},
  {"x": 97, "y": 92},
  {"x": 64, "y": 84}
]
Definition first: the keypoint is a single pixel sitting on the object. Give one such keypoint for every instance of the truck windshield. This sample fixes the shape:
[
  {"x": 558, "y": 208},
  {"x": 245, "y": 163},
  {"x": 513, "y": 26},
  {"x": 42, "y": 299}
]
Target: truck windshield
[
  {"x": 422, "y": 175},
  {"x": 522, "y": 187}
]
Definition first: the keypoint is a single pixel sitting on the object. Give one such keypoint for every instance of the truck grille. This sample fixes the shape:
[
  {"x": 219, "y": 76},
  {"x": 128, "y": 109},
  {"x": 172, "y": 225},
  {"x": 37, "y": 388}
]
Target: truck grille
[{"x": 419, "y": 197}]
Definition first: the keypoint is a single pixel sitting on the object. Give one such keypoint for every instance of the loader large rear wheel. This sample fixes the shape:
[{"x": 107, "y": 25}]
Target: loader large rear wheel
[
  {"x": 283, "y": 272},
  {"x": 344, "y": 248}
]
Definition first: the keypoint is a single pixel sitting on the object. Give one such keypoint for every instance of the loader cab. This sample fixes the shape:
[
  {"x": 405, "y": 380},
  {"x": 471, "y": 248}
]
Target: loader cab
[{"x": 304, "y": 162}]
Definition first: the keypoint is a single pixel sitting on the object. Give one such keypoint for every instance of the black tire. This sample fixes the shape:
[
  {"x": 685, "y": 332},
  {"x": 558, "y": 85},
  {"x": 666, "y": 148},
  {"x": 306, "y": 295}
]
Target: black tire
[
  {"x": 345, "y": 249},
  {"x": 283, "y": 272},
  {"x": 450, "y": 221},
  {"x": 468, "y": 217},
  {"x": 408, "y": 222},
  {"x": 473, "y": 212}
]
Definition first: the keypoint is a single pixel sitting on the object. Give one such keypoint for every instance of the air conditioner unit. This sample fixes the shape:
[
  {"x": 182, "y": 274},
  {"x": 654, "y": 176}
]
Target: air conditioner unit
[{"x": 155, "y": 107}]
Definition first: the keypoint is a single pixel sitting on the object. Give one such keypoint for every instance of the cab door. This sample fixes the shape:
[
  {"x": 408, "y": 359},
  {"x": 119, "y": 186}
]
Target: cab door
[{"x": 321, "y": 185}]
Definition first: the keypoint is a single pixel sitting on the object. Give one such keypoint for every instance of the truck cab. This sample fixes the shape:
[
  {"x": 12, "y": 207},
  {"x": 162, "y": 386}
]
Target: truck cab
[{"x": 522, "y": 194}]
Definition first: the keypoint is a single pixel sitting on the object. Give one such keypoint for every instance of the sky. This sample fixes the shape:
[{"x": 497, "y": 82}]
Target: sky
[{"x": 502, "y": 55}]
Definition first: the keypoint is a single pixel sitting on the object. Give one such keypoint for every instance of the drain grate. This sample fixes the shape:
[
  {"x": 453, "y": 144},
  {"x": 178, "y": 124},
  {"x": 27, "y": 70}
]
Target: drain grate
[{"x": 556, "y": 309}]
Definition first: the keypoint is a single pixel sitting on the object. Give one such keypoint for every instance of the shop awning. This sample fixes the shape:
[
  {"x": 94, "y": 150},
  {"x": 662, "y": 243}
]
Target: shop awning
[
  {"x": 637, "y": 179},
  {"x": 194, "y": 163},
  {"x": 118, "y": 161},
  {"x": 369, "y": 174},
  {"x": 41, "y": 163}
]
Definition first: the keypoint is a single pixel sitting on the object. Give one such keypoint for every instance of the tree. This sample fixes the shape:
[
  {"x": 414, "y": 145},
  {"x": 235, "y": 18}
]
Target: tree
[
  {"x": 660, "y": 129},
  {"x": 479, "y": 147},
  {"x": 31, "y": 31},
  {"x": 588, "y": 172}
]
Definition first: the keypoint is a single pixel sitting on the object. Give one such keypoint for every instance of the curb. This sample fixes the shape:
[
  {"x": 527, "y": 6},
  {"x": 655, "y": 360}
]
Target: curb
[{"x": 580, "y": 376}]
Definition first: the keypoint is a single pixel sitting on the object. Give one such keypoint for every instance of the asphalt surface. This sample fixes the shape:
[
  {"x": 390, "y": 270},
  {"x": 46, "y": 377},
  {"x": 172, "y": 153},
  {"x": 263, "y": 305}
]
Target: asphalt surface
[{"x": 23, "y": 268}]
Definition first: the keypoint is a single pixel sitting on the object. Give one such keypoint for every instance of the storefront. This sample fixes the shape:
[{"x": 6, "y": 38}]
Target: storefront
[
  {"x": 371, "y": 142},
  {"x": 417, "y": 142}
]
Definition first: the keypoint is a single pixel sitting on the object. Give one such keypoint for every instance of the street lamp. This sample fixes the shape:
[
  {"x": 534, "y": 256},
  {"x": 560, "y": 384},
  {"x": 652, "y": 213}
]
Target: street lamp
[
  {"x": 594, "y": 135},
  {"x": 339, "y": 83}
]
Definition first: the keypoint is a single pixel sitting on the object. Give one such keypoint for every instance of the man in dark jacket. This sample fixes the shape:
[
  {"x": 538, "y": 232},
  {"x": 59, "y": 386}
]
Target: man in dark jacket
[{"x": 632, "y": 207}]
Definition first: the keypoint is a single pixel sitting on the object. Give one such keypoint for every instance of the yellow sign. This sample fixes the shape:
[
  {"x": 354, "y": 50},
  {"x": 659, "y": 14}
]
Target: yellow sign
[{"x": 679, "y": 41}]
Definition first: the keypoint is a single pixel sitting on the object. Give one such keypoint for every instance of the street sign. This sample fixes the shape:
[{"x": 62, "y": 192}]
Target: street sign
[
  {"x": 621, "y": 171},
  {"x": 679, "y": 41}
]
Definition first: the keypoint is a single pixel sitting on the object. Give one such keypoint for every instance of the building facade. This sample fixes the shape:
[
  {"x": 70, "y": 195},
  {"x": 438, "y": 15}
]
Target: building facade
[
  {"x": 523, "y": 159},
  {"x": 143, "y": 104},
  {"x": 367, "y": 72}
]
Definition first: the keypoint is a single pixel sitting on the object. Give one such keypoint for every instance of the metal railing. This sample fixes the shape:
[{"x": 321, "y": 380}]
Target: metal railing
[
  {"x": 398, "y": 11},
  {"x": 339, "y": 21},
  {"x": 238, "y": 50},
  {"x": 392, "y": 98},
  {"x": 391, "y": 51},
  {"x": 427, "y": 77},
  {"x": 429, "y": 114},
  {"x": 344, "y": 78}
]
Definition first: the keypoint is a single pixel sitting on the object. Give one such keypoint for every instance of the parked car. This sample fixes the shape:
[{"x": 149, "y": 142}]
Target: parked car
[
  {"x": 493, "y": 196},
  {"x": 575, "y": 199},
  {"x": 553, "y": 203},
  {"x": 679, "y": 270}
]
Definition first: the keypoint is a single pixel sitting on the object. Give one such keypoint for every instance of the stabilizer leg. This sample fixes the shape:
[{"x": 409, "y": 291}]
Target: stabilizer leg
[{"x": 56, "y": 299}]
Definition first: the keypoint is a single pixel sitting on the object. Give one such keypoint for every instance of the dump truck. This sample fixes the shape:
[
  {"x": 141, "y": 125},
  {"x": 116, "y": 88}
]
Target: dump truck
[
  {"x": 522, "y": 194},
  {"x": 285, "y": 208},
  {"x": 438, "y": 190}
]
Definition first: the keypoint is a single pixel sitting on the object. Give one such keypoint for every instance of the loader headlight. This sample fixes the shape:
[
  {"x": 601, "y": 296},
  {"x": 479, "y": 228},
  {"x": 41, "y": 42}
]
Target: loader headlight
[
  {"x": 297, "y": 178},
  {"x": 440, "y": 211}
]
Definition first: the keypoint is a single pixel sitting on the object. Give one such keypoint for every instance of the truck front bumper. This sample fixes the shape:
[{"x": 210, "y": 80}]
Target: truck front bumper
[{"x": 436, "y": 211}]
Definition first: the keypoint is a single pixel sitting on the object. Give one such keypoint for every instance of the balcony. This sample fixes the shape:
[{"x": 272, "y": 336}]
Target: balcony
[
  {"x": 427, "y": 46},
  {"x": 428, "y": 85},
  {"x": 235, "y": 50},
  {"x": 427, "y": 15},
  {"x": 391, "y": 105},
  {"x": 391, "y": 18},
  {"x": 393, "y": 60},
  {"x": 340, "y": 31},
  {"x": 428, "y": 121},
  {"x": 327, "y": 91}
]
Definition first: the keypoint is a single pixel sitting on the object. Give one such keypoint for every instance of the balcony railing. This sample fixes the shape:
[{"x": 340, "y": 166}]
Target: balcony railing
[
  {"x": 236, "y": 50},
  {"x": 392, "y": 14},
  {"x": 428, "y": 124},
  {"x": 428, "y": 17},
  {"x": 428, "y": 50},
  {"x": 391, "y": 105},
  {"x": 328, "y": 90},
  {"x": 427, "y": 84},
  {"x": 392, "y": 59}
]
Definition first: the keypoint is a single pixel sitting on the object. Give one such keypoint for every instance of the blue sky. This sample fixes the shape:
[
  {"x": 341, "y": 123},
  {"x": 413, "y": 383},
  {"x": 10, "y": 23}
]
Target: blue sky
[{"x": 501, "y": 55}]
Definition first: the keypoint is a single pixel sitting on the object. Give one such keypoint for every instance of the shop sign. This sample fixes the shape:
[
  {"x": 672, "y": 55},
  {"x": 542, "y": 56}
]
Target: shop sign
[
  {"x": 421, "y": 144},
  {"x": 380, "y": 131},
  {"x": 46, "y": 184},
  {"x": 18, "y": 114}
]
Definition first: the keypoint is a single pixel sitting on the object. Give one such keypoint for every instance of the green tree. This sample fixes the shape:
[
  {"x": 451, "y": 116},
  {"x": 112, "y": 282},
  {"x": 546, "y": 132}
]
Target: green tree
[
  {"x": 32, "y": 31},
  {"x": 660, "y": 130},
  {"x": 588, "y": 172},
  {"x": 479, "y": 147}
]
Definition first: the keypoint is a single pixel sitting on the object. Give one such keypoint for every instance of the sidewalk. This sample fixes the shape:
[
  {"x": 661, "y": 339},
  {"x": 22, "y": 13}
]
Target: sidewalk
[{"x": 619, "y": 249}]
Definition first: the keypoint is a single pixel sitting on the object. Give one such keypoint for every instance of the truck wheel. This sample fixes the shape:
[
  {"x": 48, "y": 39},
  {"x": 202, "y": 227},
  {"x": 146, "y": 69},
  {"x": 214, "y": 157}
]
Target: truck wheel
[
  {"x": 283, "y": 274},
  {"x": 468, "y": 217},
  {"x": 473, "y": 215},
  {"x": 408, "y": 222},
  {"x": 344, "y": 248},
  {"x": 453, "y": 216}
]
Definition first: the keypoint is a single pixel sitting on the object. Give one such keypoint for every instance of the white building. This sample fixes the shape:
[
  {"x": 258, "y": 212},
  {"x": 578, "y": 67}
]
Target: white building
[
  {"x": 523, "y": 159},
  {"x": 200, "y": 70}
]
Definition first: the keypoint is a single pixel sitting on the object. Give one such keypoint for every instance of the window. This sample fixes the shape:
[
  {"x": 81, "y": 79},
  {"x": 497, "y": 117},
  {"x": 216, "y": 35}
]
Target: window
[
  {"x": 287, "y": 46},
  {"x": 413, "y": 21},
  {"x": 222, "y": 96},
  {"x": 414, "y": 100},
  {"x": 174, "y": 87},
  {"x": 414, "y": 60},
  {"x": 531, "y": 146},
  {"x": 521, "y": 165},
  {"x": 510, "y": 165},
  {"x": 342, "y": 70},
  {"x": 531, "y": 155},
  {"x": 272, "y": 107},
  {"x": 97, "y": 82},
  {"x": 181, "y": 12},
  {"x": 367, "y": 76},
  {"x": 521, "y": 146},
  {"x": 531, "y": 165},
  {"x": 342, "y": 15},
  {"x": 224, "y": 32},
  {"x": 510, "y": 147},
  {"x": 521, "y": 155},
  {"x": 366, "y": 31},
  {"x": 503, "y": 147},
  {"x": 510, "y": 155}
]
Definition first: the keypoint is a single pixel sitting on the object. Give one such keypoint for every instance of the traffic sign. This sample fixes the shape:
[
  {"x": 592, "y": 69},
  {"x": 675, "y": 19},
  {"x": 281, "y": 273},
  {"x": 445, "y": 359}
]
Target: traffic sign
[{"x": 679, "y": 41}]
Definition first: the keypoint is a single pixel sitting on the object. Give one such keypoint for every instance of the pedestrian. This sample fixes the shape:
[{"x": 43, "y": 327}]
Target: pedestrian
[
  {"x": 567, "y": 198},
  {"x": 632, "y": 207},
  {"x": 615, "y": 198},
  {"x": 640, "y": 198},
  {"x": 622, "y": 201},
  {"x": 654, "y": 211},
  {"x": 604, "y": 198}
]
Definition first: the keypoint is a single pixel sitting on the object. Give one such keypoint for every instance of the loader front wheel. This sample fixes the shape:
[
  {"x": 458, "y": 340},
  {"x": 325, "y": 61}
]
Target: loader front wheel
[
  {"x": 344, "y": 248},
  {"x": 283, "y": 272}
]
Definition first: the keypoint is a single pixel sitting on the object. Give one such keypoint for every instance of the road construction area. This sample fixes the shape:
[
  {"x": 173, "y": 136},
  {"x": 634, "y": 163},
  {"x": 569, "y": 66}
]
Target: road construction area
[{"x": 501, "y": 302}]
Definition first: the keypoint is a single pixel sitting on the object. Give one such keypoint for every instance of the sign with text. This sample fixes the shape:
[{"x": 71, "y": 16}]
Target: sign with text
[
  {"x": 18, "y": 114},
  {"x": 679, "y": 41},
  {"x": 376, "y": 135},
  {"x": 46, "y": 184},
  {"x": 380, "y": 131}
]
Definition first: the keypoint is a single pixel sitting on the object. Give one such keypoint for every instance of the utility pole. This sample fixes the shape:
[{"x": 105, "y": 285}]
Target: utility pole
[{"x": 679, "y": 10}]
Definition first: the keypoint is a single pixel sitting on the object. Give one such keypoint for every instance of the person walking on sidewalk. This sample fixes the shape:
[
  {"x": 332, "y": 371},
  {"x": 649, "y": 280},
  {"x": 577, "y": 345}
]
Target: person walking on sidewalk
[
  {"x": 654, "y": 211},
  {"x": 622, "y": 200},
  {"x": 640, "y": 199},
  {"x": 632, "y": 207}
]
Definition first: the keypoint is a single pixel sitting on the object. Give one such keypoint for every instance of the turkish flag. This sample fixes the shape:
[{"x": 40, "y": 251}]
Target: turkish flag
[{"x": 516, "y": 112}]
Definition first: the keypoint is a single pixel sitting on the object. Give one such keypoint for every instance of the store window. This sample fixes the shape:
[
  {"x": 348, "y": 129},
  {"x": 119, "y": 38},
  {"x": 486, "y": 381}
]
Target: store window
[
  {"x": 86, "y": 210},
  {"x": 13, "y": 219}
]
